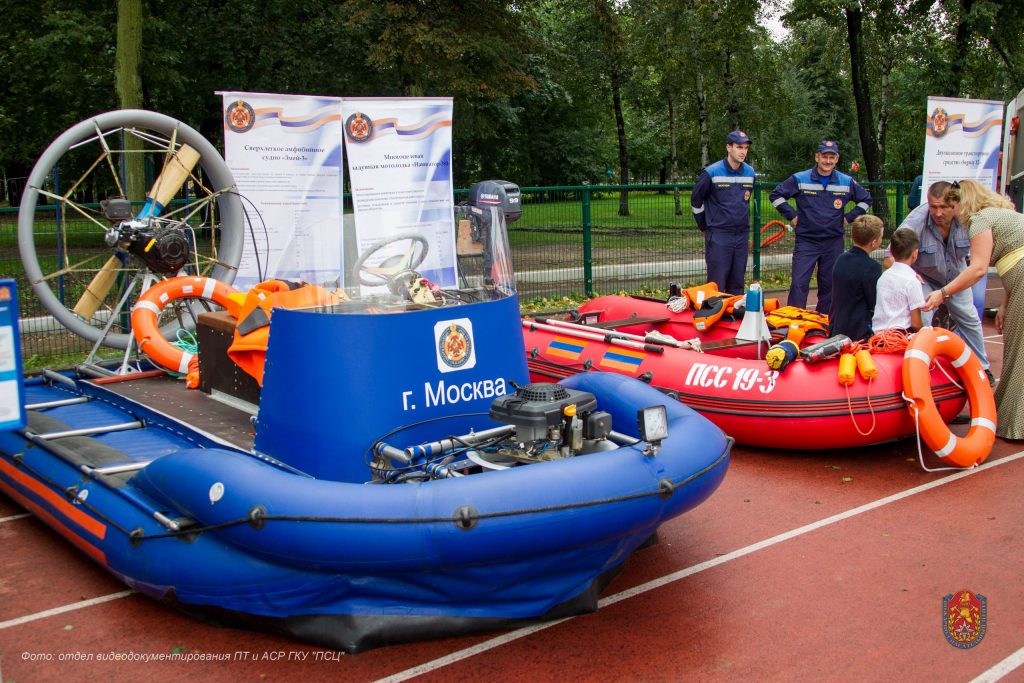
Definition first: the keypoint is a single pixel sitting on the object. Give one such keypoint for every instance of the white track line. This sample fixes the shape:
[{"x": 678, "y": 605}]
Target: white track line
[
  {"x": 65, "y": 608},
  {"x": 492, "y": 643},
  {"x": 1002, "y": 668},
  {"x": 15, "y": 517}
]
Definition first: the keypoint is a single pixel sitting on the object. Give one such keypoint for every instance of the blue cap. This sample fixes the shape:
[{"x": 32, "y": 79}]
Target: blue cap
[
  {"x": 828, "y": 146},
  {"x": 737, "y": 137}
]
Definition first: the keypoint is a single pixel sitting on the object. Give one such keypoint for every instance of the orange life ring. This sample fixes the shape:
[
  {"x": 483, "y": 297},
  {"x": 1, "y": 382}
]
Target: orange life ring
[
  {"x": 152, "y": 301},
  {"x": 965, "y": 451}
]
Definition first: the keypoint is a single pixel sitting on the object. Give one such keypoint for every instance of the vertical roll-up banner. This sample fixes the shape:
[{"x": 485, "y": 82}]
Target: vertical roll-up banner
[
  {"x": 285, "y": 154},
  {"x": 12, "y": 393},
  {"x": 1012, "y": 176},
  {"x": 399, "y": 162},
  {"x": 962, "y": 140}
]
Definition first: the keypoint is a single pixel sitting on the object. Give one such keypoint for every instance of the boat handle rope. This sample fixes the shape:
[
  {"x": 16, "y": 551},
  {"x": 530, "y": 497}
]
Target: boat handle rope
[
  {"x": 536, "y": 355},
  {"x": 465, "y": 517}
]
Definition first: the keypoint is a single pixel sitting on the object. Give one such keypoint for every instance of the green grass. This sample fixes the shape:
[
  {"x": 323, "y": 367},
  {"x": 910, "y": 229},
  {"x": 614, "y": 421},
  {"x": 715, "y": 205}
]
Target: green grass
[{"x": 64, "y": 359}]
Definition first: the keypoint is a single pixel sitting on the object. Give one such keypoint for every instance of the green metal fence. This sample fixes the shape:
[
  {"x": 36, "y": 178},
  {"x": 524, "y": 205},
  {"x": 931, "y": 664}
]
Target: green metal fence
[{"x": 571, "y": 241}]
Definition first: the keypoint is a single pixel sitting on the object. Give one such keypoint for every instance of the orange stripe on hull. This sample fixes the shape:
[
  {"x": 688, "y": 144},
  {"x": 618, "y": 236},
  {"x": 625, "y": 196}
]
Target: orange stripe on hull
[
  {"x": 571, "y": 355},
  {"x": 619, "y": 365},
  {"x": 79, "y": 542},
  {"x": 76, "y": 515}
]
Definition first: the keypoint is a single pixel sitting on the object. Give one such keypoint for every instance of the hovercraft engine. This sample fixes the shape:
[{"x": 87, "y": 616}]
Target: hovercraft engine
[
  {"x": 539, "y": 422},
  {"x": 163, "y": 247},
  {"x": 551, "y": 422}
]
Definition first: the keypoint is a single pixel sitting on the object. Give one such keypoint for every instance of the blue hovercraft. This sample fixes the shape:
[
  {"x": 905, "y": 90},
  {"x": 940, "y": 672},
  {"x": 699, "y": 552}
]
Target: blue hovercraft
[{"x": 399, "y": 480}]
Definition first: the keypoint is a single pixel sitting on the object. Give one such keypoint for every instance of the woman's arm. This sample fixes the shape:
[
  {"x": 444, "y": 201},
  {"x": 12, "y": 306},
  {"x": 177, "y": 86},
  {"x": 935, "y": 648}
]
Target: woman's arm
[{"x": 981, "y": 254}]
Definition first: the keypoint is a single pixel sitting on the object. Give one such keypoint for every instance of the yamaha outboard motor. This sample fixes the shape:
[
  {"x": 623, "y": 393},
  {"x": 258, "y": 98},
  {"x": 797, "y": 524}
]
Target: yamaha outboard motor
[
  {"x": 495, "y": 193},
  {"x": 484, "y": 196}
]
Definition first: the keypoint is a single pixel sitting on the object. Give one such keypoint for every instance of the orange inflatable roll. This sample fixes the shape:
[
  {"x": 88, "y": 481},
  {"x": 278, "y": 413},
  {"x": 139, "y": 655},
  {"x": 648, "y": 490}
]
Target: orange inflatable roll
[
  {"x": 847, "y": 368},
  {"x": 866, "y": 364},
  {"x": 796, "y": 333}
]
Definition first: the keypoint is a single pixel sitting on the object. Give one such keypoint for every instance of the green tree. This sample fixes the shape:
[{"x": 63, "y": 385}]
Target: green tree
[
  {"x": 57, "y": 60},
  {"x": 473, "y": 51}
]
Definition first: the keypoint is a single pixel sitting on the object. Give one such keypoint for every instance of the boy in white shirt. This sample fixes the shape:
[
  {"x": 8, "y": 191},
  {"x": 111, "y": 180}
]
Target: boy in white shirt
[{"x": 899, "y": 299}]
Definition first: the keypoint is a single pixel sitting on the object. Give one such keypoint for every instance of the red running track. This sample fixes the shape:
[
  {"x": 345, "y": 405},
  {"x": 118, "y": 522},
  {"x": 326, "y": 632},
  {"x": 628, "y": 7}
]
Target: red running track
[{"x": 806, "y": 566}]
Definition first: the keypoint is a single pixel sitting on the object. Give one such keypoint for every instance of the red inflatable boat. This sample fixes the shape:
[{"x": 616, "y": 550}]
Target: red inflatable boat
[{"x": 804, "y": 406}]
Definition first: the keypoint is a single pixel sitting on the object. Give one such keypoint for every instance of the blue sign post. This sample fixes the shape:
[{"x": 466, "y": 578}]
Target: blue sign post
[{"x": 12, "y": 393}]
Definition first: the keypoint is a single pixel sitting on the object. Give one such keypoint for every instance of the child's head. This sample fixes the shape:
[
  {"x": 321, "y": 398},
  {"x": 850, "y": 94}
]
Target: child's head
[
  {"x": 866, "y": 231},
  {"x": 903, "y": 244}
]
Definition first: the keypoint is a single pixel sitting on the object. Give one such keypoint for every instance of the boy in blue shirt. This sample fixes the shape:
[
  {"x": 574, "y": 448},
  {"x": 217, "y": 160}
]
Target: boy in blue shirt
[{"x": 854, "y": 279}]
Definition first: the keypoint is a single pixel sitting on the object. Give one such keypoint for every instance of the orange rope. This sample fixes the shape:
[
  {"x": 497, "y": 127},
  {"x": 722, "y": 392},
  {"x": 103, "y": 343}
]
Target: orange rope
[
  {"x": 849, "y": 404},
  {"x": 886, "y": 341}
]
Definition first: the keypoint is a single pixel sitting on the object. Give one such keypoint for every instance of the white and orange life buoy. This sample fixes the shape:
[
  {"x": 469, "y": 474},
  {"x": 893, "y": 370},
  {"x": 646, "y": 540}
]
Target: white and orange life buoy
[
  {"x": 147, "y": 310},
  {"x": 924, "y": 347}
]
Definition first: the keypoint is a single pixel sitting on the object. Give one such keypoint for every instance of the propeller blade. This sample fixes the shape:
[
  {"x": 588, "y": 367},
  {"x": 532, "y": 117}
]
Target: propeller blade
[
  {"x": 172, "y": 177},
  {"x": 93, "y": 296}
]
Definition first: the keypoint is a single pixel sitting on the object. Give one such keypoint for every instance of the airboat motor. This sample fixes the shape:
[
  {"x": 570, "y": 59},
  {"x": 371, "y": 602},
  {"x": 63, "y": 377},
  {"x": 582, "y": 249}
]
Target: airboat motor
[{"x": 163, "y": 247}]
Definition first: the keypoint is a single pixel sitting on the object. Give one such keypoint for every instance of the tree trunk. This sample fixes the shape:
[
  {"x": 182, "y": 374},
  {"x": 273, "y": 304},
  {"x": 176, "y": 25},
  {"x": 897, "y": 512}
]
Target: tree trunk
[
  {"x": 129, "y": 88},
  {"x": 674, "y": 158},
  {"x": 704, "y": 137},
  {"x": 732, "y": 105},
  {"x": 862, "y": 98},
  {"x": 961, "y": 48},
  {"x": 882, "y": 128},
  {"x": 620, "y": 130}
]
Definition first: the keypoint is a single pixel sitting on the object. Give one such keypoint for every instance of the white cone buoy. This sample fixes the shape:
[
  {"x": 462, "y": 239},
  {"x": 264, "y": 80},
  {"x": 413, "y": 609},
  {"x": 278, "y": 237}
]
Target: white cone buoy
[{"x": 754, "y": 327}]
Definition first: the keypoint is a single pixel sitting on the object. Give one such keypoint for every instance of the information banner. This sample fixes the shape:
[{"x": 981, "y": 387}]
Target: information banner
[
  {"x": 285, "y": 154},
  {"x": 12, "y": 400},
  {"x": 399, "y": 161},
  {"x": 1012, "y": 176},
  {"x": 962, "y": 140}
]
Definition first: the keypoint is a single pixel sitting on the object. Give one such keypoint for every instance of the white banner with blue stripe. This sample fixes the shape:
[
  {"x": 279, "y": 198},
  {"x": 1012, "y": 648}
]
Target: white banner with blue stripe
[
  {"x": 285, "y": 154},
  {"x": 399, "y": 162},
  {"x": 962, "y": 141}
]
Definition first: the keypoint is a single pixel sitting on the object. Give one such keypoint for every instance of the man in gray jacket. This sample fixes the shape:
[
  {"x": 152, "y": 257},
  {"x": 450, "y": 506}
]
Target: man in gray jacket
[{"x": 942, "y": 255}]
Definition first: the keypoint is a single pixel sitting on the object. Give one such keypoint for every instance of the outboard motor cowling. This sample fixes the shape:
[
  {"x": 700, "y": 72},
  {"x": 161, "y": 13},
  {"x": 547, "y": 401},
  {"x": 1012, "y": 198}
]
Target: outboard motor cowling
[{"x": 501, "y": 193}]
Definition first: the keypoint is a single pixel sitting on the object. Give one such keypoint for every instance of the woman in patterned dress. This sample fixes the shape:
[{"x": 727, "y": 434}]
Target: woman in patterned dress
[{"x": 997, "y": 238}]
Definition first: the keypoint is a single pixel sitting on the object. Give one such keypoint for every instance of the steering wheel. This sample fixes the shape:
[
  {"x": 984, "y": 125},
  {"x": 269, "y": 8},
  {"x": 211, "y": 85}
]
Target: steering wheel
[{"x": 393, "y": 266}]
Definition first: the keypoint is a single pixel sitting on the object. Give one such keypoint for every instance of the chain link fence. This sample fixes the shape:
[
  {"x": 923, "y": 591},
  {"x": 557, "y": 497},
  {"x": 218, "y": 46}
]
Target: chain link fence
[{"x": 571, "y": 241}]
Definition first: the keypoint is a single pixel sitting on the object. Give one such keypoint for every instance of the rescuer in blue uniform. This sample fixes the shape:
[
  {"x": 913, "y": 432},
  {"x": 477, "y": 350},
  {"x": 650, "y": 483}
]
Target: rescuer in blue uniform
[
  {"x": 822, "y": 194},
  {"x": 721, "y": 206}
]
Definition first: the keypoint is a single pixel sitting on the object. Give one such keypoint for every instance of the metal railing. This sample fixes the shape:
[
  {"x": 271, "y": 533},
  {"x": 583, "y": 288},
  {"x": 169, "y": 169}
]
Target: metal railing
[{"x": 571, "y": 241}]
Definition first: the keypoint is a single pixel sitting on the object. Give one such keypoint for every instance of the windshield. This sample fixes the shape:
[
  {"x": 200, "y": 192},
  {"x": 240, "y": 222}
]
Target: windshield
[{"x": 400, "y": 272}]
